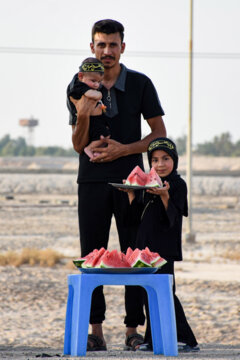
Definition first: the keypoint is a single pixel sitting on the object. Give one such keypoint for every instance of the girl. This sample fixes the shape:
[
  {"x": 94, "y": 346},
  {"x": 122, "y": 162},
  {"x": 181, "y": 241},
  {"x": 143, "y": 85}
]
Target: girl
[{"x": 159, "y": 212}]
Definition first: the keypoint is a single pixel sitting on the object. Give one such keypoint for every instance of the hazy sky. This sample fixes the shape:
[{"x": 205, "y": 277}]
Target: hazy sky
[{"x": 33, "y": 81}]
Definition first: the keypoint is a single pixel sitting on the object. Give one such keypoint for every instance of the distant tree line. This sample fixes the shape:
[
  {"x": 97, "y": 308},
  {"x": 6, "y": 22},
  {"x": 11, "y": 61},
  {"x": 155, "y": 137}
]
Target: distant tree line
[
  {"x": 19, "y": 147},
  {"x": 221, "y": 145}
]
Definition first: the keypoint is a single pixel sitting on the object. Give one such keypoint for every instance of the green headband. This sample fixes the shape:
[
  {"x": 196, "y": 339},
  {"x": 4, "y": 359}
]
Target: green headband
[
  {"x": 163, "y": 143},
  {"x": 92, "y": 67}
]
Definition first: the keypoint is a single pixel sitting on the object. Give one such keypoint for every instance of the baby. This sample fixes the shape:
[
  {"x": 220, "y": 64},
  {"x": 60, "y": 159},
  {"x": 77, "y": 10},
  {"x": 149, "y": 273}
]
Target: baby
[{"x": 87, "y": 83}]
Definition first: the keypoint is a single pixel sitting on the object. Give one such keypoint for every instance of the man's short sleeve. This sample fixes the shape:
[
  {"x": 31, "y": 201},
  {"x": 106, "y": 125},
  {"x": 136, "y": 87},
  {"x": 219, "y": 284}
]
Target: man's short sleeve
[
  {"x": 72, "y": 113},
  {"x": 151, "y": 105},
  {"x": 70, "y": 105}
]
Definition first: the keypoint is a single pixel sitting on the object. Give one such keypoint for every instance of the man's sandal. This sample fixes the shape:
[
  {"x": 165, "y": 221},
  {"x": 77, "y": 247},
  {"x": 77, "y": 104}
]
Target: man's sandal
[
  {"x": 145, "y": 347},
  {"x": 95, "y": 343},
  {"x": 132, "y": 341}
]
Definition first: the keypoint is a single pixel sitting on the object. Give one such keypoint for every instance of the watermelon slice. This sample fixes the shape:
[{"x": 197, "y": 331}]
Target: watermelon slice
[
  {"x": 137, "y": 177},
  {"x": 92, "y": 258},
  {"x": 154, "y": 255},
  {"x": 114, "y": 259},
  {"x": 153, "y": 179},
  {"x": 98, "y": 261},
  {"x": 159, "y": 263},
  {"x": 139, "y": 258},
  {"x": 129, "y": 252},
  {"x": 79, "y": 262}
]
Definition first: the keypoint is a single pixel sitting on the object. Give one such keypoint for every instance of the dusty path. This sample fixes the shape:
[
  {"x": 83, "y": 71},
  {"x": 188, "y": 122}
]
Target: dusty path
[{"x": 33, "y": 299}]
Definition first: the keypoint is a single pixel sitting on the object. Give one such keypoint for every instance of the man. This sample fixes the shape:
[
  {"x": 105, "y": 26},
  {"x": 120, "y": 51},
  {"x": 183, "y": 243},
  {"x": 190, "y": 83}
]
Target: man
[{"x": 127, "y": 94}]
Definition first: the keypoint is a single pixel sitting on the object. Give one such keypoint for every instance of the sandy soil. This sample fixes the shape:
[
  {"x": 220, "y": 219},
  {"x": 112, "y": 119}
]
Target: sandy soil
[{"x": 33, "y": 299}]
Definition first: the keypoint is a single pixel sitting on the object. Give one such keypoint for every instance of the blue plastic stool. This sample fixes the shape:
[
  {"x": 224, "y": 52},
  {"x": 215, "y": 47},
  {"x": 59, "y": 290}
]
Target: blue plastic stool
[{"x": 161, "y": 308}]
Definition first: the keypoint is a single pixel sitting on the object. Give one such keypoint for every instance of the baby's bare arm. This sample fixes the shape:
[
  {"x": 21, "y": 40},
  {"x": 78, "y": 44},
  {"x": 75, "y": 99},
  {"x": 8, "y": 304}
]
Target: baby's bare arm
[{"x": 93, "y": 94}]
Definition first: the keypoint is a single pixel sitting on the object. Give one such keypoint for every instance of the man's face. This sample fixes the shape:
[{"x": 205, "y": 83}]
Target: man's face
[{"x": 107, "y": 48}]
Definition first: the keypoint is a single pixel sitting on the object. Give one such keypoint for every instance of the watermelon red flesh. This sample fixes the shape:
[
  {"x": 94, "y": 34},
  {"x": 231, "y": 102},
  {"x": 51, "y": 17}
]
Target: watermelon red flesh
[
  {"x": 154, "y": 255},
  {"x": 98, "y": 262},
  {"x": 159, "y": 263},
  {"x": 98, "y": 257},
  {"x": 129, "y": 252},
  {"x": 153, "y": 179},
  {"x": 140, "y": 259},
  {"x": 92, "y": 258},
  {"x": 137, "y": 177},
  {"x": 113, "y": 259}
]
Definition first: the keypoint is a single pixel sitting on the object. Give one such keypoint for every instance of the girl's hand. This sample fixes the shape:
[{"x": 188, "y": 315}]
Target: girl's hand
[
  {"x": 126, "y": 190},
  {"x": 130, "y": 192},
  {"x": 161, "y": 191}
]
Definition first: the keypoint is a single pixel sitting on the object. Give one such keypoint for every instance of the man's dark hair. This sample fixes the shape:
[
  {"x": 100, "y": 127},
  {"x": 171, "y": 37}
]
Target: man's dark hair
[{"x": 108, "y": 26}]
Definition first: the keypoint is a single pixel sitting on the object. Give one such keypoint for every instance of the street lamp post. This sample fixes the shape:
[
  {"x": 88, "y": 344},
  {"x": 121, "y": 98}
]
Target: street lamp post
[{"x": 190, "y": 236}]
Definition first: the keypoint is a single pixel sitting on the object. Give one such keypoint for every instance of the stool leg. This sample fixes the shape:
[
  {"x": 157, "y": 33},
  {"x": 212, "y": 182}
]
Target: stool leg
[
  {"x": 167, "y": 317},
  {"x": 68, "y": 322},
  {"x": 80, "y": 323},
  {"x": 154, "y": 313}
]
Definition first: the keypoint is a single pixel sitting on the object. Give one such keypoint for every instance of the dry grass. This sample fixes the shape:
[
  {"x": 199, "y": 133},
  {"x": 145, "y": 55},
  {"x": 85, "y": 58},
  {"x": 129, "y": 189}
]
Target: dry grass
[
  {"x": 231, "y": 255},
  {"x": 47, "y": 257}
]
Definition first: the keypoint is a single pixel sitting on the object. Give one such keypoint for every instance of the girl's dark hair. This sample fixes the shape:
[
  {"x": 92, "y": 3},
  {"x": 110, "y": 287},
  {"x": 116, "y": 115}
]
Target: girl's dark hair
[{"x": 108, "y": 26}]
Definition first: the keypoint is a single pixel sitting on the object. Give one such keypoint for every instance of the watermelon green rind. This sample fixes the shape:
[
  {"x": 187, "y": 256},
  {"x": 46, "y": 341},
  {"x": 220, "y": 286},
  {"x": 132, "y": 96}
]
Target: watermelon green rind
[
  {"x": 140, "y": 263},
  {"x": 78, "y": 263}
]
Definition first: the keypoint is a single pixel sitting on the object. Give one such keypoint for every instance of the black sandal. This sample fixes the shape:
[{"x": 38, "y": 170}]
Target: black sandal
[
  {"x": 95, "y": 343},
  {"x": 132, "y": 341},
  {"x": 145, "y": 347}
]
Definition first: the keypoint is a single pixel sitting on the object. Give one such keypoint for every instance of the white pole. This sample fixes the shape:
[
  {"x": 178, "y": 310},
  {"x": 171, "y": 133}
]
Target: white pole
[{"x": 190, "y": 236}]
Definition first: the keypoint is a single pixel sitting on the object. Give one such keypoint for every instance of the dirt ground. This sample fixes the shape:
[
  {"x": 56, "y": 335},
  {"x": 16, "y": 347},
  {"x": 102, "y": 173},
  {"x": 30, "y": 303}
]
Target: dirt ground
[{"x": 33, "y": 299}]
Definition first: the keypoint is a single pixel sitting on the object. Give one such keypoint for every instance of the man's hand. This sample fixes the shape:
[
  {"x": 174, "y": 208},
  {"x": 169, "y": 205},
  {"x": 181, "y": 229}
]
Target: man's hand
[{"x": 113, "y": 151}]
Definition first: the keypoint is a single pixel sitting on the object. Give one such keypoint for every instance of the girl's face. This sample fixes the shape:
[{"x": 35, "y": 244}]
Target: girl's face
[{"x": 162, "y": 162}]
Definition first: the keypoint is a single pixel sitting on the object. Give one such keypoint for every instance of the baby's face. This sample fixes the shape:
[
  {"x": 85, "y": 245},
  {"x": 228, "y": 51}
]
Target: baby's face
[{"x": 92, "y": 79}]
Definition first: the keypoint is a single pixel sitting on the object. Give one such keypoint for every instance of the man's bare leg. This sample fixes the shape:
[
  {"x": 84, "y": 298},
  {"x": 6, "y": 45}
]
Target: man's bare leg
[{"x": 98, "y": 331}]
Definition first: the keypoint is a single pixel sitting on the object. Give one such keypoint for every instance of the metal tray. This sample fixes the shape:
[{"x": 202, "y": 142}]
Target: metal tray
[
  {"x": 132, "y": 187},
  {"x": 143, "y": 270}
]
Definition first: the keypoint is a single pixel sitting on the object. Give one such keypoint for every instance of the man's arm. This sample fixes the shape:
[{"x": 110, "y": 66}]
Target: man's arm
[
  {"x": 80, "y": 131},
  {"x": 157, "y": 130},
  {"x": 115, "y": 150}
]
